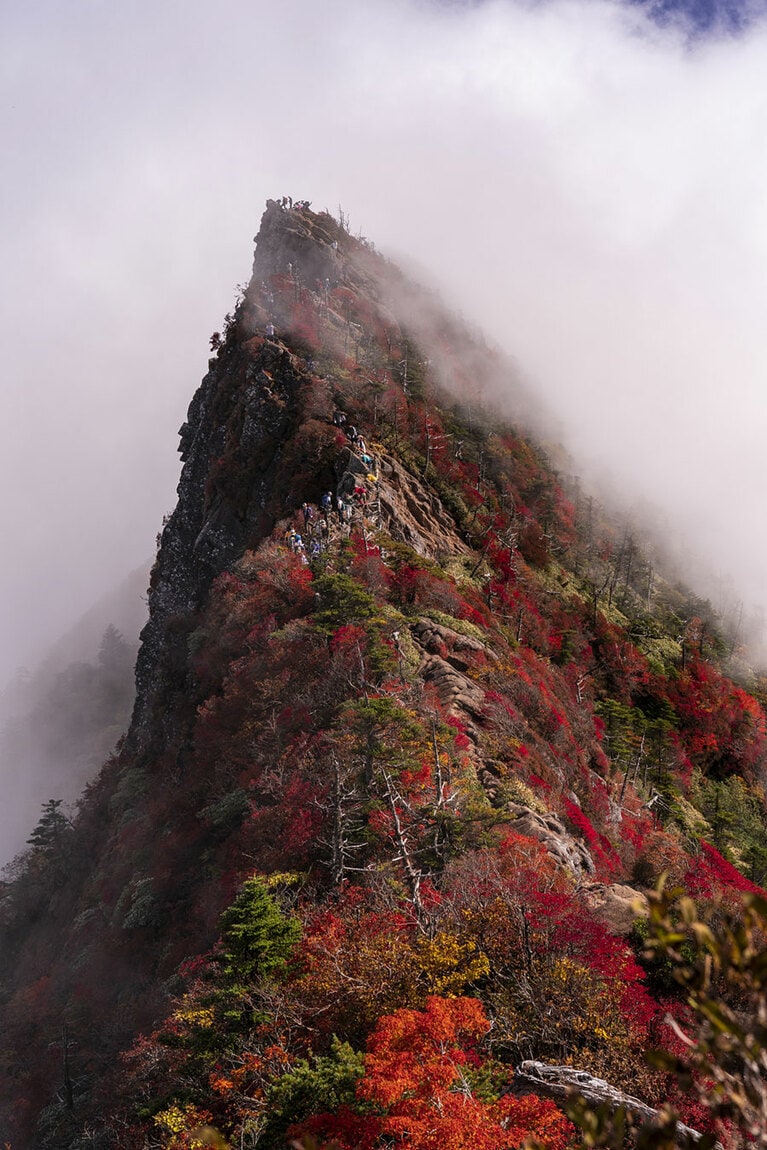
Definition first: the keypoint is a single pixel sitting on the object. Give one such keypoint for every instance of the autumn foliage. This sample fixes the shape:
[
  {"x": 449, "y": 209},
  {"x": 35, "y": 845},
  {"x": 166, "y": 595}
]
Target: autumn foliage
[
  {"x": 355, "y": 861},
  {"x": 425, "y": 1087}
]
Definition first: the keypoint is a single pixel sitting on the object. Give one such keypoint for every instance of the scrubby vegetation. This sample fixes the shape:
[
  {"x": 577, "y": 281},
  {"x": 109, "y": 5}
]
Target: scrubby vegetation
[{"x": 351, "y": 880}]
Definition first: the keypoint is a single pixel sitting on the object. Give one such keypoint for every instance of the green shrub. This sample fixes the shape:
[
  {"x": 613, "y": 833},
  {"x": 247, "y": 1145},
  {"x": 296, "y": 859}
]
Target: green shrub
[
  {"x": 257, "y": 937},
  {"x": 341, "y": 600}
]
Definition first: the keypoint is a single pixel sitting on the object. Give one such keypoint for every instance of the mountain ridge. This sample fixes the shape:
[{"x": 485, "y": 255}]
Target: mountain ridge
[{"x": 446, "y": 742}]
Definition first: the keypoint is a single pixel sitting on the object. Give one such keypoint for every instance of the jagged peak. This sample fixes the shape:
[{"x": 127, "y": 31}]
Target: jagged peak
[
  {"x": 312, "y": 247},
  {"x": 452, "y": 730}
]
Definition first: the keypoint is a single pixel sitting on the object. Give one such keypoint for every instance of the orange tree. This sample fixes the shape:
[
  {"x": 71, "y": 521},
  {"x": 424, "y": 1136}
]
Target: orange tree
[{"x": 428, "y": 1085}]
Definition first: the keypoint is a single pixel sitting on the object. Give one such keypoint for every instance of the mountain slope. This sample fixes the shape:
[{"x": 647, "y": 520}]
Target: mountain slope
[{"x": 444, "y": 736}]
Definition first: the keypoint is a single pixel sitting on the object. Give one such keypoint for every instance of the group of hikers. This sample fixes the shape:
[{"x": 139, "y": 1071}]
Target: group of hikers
[
  {"x": 316, "y": 533},
  {"x": 287, "y": 203},
  {"x": 356, "y": 440}
]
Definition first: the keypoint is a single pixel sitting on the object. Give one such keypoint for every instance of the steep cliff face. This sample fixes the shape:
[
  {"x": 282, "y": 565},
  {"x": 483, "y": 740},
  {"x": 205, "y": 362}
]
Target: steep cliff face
[
  {"x": 243, "y": 470},
  {"x": 236, "y": 481},
  {"x": 444, "y": 729},
  {"x": 228, "y": 498}
]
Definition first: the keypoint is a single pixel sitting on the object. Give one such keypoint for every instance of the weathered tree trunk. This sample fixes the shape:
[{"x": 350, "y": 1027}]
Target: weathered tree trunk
[{"x": 562, "y": 1082}]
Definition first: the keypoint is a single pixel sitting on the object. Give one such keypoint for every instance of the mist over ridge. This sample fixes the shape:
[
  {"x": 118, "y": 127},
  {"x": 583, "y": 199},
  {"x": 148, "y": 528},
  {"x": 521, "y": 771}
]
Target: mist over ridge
[
  {"x": 391, "y": 657},
  {"x": 59, "y": 720},
  {"x": 583, "y": 183}
]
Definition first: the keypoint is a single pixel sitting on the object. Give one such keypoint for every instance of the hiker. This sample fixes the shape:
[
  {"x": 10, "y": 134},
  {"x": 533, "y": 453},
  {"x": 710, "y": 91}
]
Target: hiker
[
  {"x": 360, "y": 445},
  {"x": 351, "y": 433},
  {"x": 339, "y": 508},
  {"x": 366, "y": 459},
  {"x": 324, "y": 530},
  {"x": 326, "y": 505},
  {"x": 308, "y": 511},
  {"x": 290, "y": 536},
  {"x": 339, "y": 418},
  {"x": 298, "y": 543},
  {"x": 270, "y": 329},
  {"x": 315, "y": 549}
]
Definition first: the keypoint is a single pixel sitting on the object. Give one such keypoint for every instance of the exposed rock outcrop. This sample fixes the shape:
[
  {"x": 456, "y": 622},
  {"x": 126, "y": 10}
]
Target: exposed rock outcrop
[
  {"x": 435, "y": 637},
  {"x": 447, "y": 655},
  {"x": 298, "y": 242},
  {"x": 458, "y": 694},
  {"x": 569, "y": 852},
  {"x": 615, "y": 905},
  {"x": 245, "y": 408},
  {"x": 413, "y": 514},
  {"x": 238, "y": 477}
]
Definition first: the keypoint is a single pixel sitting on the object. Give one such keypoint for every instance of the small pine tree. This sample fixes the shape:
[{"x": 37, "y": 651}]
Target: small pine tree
[
  {"x": 257, "y": 937},
  {"x": 51, "y": 828}
]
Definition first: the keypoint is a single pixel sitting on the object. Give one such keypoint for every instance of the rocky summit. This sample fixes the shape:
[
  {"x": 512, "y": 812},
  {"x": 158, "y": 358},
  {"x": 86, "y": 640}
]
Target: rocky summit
[{"x": 419, "y": 727}]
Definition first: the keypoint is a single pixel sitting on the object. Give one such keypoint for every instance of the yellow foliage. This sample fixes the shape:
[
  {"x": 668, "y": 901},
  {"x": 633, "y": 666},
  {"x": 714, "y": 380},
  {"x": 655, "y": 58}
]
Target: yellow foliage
[
  {"x": 497, "y": 672},
  {"x": 593, "y": 1009},
  {"x": 186, "y": 1126},
  {"x": 199, "y": 1016},
  {"x": 174, "y": 1119},
  {"x": 280, "y": 878},
  {"x": 565, "y": 969},
  {"x": 449, "y": 963},
  {"x": 519, "y": 792}
]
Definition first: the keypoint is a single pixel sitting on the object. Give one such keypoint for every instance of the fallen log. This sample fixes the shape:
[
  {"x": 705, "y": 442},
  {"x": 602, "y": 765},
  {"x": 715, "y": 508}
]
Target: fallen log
[{"x": 561, "y": 1083}]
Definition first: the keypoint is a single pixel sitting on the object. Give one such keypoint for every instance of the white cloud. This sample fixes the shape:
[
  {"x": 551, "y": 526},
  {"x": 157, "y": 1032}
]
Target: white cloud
[{"x": 587, "y": 186}]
